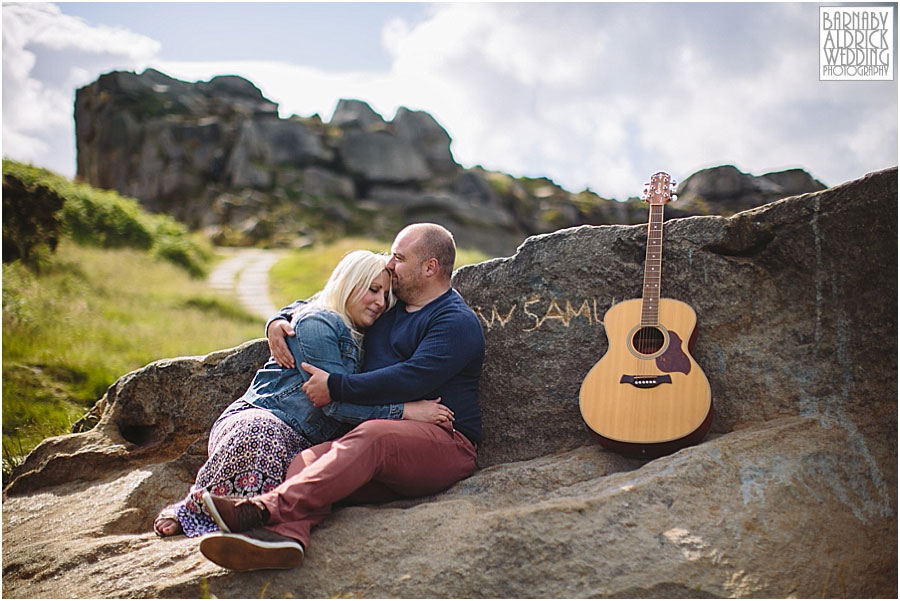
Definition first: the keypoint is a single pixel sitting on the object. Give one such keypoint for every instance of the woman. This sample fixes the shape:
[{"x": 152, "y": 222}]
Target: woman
[{"x": 254, "y": 440}]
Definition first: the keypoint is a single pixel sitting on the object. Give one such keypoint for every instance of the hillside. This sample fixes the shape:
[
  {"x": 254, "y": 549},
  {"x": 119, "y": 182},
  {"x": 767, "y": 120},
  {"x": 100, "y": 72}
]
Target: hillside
[
  {"x": 93, "y": 287},
  {"x": 217, "y": 157}
]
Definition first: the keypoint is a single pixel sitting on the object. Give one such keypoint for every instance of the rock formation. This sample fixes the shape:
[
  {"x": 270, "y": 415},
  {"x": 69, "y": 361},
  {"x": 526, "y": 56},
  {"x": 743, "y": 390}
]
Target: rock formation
[
  {"x": 792, "y": 494},
  {"x": 725, "y": 190},
  {"x": 216, "y": 156}
]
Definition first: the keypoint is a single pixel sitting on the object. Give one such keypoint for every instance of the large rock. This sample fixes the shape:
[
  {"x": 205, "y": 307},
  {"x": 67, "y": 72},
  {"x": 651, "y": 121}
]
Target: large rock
[
  {"x": 476, "y": 224},
  {"x": 181, "y": 147},
  {"x": 264, "y": 146},
  {"x": 793, "y": 493},
  {"x": 381, "y": 156},
  {"x": 427, "y": 137},
  {"x": 353, "y": 114},
  {"x": 159, "y": 139},
  {"x": 730, "y": 190},
  {"x": 785, "y": 296}
]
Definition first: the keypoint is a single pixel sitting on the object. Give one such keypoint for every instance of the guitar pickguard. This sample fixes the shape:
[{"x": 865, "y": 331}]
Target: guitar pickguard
[{"x": 674, "y": 359}]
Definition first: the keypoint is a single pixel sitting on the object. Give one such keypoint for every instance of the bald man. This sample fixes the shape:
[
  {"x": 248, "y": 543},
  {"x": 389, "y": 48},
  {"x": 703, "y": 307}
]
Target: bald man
[{"x": 430, "y": 345}]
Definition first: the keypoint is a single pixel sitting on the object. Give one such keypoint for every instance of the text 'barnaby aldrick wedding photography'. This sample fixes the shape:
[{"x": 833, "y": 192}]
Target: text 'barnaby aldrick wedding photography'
[{"x": 856, "y": 43}]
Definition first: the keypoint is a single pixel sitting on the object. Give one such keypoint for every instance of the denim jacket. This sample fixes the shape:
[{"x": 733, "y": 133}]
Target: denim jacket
[{"x": 322, "y": 339}]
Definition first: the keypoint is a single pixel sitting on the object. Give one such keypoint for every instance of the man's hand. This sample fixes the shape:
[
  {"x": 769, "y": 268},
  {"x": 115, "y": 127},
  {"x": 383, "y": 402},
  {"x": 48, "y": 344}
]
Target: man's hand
[
  {"x": 278, "y": 348},
  {"x": 430, "y": 411},
  {"x": 316, "y": 388}
]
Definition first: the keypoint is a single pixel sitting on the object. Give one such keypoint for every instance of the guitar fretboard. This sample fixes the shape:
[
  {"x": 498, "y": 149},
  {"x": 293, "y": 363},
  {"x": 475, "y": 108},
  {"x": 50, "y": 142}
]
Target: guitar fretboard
[{"x": 652, "y": 267}]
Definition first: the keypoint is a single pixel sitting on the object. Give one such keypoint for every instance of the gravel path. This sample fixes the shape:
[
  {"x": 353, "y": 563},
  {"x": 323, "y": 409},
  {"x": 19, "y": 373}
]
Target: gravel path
[{"x": 245, "y": 274}]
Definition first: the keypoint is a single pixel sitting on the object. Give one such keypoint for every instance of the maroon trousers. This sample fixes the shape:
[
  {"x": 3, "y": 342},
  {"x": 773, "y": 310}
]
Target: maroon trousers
[{"x": 378, "y": 461}]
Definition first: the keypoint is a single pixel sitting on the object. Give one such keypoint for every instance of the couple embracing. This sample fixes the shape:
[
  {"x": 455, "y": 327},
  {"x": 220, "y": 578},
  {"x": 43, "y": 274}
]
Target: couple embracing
[{"x": 370, "y": 395}]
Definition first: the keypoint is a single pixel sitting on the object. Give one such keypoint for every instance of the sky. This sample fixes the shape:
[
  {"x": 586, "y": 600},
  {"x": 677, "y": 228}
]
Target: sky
[{"x": 592, "y": 94}]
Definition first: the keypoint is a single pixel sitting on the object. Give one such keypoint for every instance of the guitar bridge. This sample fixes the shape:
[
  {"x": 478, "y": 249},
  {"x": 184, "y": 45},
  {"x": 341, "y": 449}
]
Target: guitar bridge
[{"x": 646, "y": 381}]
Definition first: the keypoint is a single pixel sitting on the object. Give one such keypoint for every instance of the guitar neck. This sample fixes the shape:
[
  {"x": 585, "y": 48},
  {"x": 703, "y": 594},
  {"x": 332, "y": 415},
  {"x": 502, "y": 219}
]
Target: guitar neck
[{"x": 653, "y": 267}]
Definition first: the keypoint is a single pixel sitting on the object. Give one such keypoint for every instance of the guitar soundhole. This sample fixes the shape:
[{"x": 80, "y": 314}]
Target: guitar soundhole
[{"x": 648, "y": 340}]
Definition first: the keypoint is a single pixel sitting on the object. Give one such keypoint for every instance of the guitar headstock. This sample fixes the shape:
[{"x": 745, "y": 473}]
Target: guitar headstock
[{"x": 660, "y": 189}]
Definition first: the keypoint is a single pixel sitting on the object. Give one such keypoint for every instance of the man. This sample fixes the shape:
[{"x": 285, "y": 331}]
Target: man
[{"x": 430, "y": 345}]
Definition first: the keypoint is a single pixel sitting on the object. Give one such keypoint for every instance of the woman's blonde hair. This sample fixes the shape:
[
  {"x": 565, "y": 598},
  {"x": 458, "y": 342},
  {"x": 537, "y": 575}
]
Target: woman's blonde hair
[{"x": 349, "y": 282}]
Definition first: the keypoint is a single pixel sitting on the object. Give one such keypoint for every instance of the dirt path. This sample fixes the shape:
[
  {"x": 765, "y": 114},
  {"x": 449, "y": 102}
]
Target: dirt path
[{"x": 245, "y": 274}]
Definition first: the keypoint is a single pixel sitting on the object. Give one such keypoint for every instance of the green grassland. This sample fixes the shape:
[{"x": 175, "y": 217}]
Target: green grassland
[
  {"x": 101, "y": 290},
  {"x": 89, "y": 316},
  {"x": 122, "y": 289}
]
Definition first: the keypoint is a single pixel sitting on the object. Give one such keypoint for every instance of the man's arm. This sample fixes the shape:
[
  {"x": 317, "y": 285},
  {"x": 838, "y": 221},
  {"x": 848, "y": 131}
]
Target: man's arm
[
  {"x": 430, "y": 411},
  {"x": 318, "y": 343},
  {"x": 449, "y": 345}
]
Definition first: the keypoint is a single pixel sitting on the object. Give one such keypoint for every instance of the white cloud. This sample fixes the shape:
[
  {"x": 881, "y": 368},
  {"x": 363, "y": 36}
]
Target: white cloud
[{"x": 46, "y": 56}]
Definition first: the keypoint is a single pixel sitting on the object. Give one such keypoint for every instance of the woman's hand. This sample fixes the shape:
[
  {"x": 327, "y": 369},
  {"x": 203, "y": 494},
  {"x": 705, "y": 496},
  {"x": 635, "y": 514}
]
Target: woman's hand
[
  {"x": 430, "y": 411},
  {"x": 278, "y": 348}
]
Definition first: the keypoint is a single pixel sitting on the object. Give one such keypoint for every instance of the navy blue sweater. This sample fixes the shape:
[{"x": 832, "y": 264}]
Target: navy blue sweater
[{"x": 437, "y": 351}]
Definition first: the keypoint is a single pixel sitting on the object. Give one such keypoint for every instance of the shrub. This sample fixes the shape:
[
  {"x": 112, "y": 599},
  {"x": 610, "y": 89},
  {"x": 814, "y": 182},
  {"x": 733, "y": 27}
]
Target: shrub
[
  {"x": 105, "y": 219},
  {"x": 30, "y": 219},
  {"x": 44, "y": 205}
]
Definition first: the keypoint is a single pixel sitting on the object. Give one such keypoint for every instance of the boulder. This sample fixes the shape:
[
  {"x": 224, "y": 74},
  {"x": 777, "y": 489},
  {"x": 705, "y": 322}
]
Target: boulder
[
  {"x": 725, "y": 190},
  {"x": 353, "y": 114},
  {"x": 792, "y": 494},
  {"x": 265, "y": 146},
  {"x": 476, "y": 224},
  {"x": 382, "y": 157},
  {"x": 427, "y": 137},
  {"x": 318, "y": 182}
]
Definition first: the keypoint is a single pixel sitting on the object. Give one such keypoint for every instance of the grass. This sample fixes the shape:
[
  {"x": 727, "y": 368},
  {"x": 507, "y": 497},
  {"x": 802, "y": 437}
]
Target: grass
[
  {"x": 302, "y": 273},
  {"x": 89, "y": 316},
  {"x": 122, "y": 289},
  {"x": 106, "y": 219}
]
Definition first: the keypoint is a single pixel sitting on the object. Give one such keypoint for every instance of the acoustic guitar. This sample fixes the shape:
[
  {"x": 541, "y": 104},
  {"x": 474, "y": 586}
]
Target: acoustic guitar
[{"x": 647, "y": 397}]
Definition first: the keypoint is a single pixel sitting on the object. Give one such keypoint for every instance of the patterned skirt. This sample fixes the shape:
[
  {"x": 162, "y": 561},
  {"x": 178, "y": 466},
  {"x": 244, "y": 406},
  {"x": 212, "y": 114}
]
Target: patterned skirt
[{"x": 249, "y": 453}]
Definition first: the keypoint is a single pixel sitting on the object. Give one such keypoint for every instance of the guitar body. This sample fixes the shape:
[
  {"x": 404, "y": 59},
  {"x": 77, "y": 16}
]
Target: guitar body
[{"x": 647, "y": 397}]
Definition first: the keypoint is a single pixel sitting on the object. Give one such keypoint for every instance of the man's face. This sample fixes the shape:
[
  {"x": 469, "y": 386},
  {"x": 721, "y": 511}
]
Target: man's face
[{"x": 406, "y": 267}]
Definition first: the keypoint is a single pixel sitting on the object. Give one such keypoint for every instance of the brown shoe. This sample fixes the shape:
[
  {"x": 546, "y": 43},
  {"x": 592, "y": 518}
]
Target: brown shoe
[
  {"x": 257, "y": 549},
  {"x": 234, "y": 514}
]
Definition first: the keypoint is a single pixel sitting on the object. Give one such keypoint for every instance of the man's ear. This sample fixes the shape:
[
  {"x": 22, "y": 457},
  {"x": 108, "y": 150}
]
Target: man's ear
[{"x": 432, "y": 267}]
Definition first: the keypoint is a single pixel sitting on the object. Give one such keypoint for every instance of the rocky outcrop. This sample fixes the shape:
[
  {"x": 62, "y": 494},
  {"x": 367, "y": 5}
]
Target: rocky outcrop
[
  {"x": 216, "y": 156},
  {"x": 792, "y": 494},
  {"x": 725, "y": 190}
]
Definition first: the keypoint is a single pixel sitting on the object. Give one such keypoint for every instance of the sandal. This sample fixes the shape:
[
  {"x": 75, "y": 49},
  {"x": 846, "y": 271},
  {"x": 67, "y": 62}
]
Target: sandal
[{"x": 166, "y": 523}]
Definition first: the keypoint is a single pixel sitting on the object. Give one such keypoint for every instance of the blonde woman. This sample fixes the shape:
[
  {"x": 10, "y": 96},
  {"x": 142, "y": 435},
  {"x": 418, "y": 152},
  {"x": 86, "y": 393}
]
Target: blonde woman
[{"x": 256, "y": 437}]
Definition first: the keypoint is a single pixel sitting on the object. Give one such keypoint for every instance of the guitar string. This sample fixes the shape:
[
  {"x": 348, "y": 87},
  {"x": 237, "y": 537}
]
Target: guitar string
[{"x": 648, "y": 336}]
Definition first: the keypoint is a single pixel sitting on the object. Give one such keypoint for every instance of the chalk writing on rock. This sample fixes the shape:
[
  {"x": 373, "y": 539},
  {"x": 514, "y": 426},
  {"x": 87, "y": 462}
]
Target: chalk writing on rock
[{"x": 536, "y": 312}]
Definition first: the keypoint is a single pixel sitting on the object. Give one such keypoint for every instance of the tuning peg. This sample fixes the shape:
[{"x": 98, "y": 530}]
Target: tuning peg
[
  {"x": 673, "y": 183},
  {"x": 674, "y": 197}
]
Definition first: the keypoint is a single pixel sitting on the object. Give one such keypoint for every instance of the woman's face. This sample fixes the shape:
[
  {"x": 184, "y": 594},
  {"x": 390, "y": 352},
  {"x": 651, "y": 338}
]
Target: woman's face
[{"x": 373, "y": 302}]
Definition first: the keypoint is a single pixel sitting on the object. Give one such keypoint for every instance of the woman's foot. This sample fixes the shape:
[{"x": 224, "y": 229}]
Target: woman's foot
[{"x": 166, "y": 524}]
